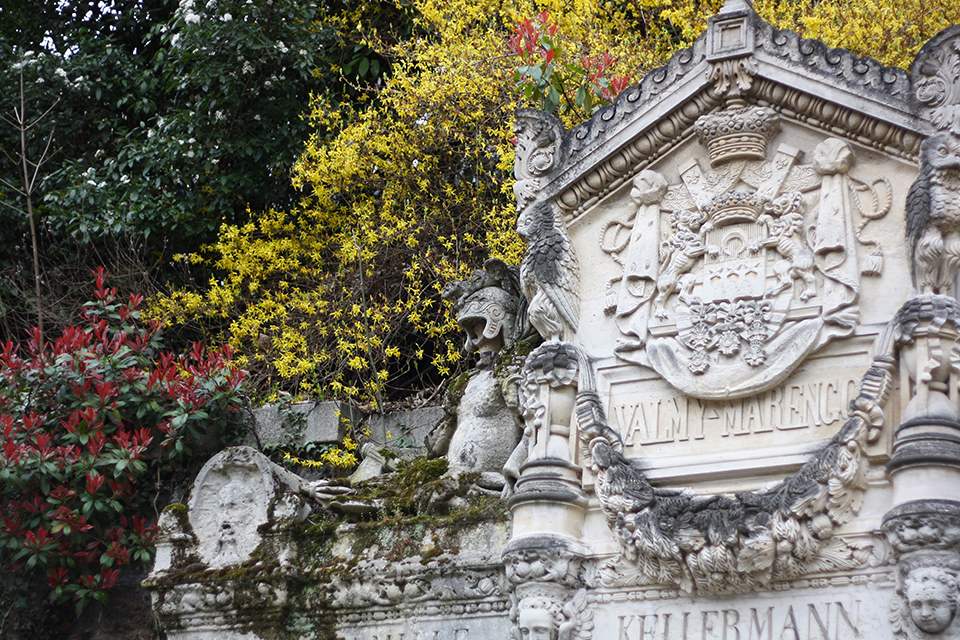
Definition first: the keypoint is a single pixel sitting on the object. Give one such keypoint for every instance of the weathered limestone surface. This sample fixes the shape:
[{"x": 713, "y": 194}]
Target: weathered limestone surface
[
  {"x": 320, "y": 422},
  {"x": 721, "y": 391}
]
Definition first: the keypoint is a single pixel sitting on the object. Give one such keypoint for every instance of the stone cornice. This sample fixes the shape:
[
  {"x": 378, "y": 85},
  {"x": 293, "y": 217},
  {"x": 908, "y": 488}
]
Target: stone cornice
[{"x": 865, "y": 102}]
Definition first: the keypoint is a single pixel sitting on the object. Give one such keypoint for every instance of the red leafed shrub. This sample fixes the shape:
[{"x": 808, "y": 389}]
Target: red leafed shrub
[{"x": 91, "y": 425}]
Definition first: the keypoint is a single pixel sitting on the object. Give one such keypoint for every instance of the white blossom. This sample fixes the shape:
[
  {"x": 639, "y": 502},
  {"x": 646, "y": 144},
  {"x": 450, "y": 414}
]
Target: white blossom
[
  {"x": 227, "y": 17},
  {"x": 60, "y": 72},
  {"x": 191, "y": 18},
  {"x": 282, "y": 47},
  {"x": 247, "y": 67}
]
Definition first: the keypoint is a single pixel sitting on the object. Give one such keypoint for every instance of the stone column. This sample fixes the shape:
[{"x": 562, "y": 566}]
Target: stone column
[
  {"x": 548, "y": 497},
  {"x": 923, "y": 527},
  {"x": 925, "y": 463}
]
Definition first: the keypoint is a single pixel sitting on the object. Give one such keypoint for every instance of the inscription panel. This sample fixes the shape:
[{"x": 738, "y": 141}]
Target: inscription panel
[
  {"x": 654, "y": 419},
  {"x": 825, "y": 615},
  {"x": 495, "y": 626}
]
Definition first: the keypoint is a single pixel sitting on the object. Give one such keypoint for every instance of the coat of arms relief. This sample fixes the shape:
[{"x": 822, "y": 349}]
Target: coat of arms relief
[{"x": 733, "y": 275}]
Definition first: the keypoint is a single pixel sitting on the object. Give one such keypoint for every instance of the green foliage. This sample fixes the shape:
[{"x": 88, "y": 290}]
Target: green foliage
[
  {"x": 329, "y": 285},
  {"x": 551, "y": 81},
  {"x": 168, "y": 120},
  {"x": 90, "y": 423},
  {"x": 340, "y": 295}
]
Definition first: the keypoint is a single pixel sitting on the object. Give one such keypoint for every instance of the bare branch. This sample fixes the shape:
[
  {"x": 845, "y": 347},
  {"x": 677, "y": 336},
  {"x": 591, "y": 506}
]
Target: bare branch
[
  {"x": 43, "y": 158},
  {"x": 17, "y": 189},
  {"x": 17, "y": 209},
  {"x": 43, "y": 115}
]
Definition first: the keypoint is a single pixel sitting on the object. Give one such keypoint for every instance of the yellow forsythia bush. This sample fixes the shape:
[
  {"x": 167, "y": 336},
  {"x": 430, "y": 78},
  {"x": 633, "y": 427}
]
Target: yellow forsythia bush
[{"x": 341, "y": 295}]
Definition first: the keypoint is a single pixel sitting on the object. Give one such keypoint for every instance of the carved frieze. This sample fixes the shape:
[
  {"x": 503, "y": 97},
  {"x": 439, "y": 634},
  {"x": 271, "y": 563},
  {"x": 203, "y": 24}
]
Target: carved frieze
[{"x": 409, "y": 585}]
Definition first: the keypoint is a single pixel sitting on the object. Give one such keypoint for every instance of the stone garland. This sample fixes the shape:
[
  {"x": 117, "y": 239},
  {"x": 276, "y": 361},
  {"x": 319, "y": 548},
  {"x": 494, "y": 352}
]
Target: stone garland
[{"x": 722, "y": 544}]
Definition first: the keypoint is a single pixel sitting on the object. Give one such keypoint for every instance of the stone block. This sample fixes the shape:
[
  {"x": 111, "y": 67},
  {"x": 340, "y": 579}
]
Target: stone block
[
  {"x": 329, "y": 421},
  {"x": 404, "y": 429},
  {"x": 325, "y": 422}
]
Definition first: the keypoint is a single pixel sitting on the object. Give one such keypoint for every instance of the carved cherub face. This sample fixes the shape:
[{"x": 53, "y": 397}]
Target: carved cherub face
[
  {"x": 931, "y": 595},
  {"x": 536, "y": 624}
]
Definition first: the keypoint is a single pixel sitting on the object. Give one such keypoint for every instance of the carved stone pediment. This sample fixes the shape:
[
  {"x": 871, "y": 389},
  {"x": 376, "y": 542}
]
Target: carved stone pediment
[{"x": 739, "y": 217}]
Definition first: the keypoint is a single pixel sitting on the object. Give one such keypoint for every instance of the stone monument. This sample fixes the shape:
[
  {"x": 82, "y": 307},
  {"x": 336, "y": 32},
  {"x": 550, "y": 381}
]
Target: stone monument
[{"x": 741, "y": 418}]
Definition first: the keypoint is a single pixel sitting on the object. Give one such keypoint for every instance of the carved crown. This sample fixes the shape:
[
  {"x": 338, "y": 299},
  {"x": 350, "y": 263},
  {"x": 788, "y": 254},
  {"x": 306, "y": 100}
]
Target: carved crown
[
  {"x": 733, "y": 206},
  {"x": 737, "y": 134}
]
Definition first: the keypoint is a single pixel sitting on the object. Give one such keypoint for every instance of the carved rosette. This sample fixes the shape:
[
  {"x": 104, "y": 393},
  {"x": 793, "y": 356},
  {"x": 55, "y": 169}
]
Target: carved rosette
[{"x": 936, "y": 80}]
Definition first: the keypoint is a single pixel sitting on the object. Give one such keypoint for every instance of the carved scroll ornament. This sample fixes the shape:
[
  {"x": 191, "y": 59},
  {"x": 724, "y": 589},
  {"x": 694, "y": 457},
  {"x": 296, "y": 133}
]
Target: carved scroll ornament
[{"x": 936, "y": 79}]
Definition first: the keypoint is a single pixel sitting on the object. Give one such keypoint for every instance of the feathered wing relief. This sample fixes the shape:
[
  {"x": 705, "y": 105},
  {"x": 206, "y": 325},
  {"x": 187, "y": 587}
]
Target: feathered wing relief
[
  {"x": 549, "y": 273},
  {"x": 933, "y": 215}
]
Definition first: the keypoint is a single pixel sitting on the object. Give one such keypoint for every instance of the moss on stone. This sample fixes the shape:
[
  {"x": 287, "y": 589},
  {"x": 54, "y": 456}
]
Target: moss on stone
[{"x": 419, "y": 518}]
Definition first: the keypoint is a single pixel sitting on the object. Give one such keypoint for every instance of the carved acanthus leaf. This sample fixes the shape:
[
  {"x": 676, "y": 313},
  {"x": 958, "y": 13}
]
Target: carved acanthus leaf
[{"x": 936, "y": 79}]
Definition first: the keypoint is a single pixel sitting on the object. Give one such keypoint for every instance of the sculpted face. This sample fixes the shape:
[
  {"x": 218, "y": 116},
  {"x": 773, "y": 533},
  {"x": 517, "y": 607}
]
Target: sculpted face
[
  {"x": 932, "y": 604},
  {"x": 536, "y": 624}
]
